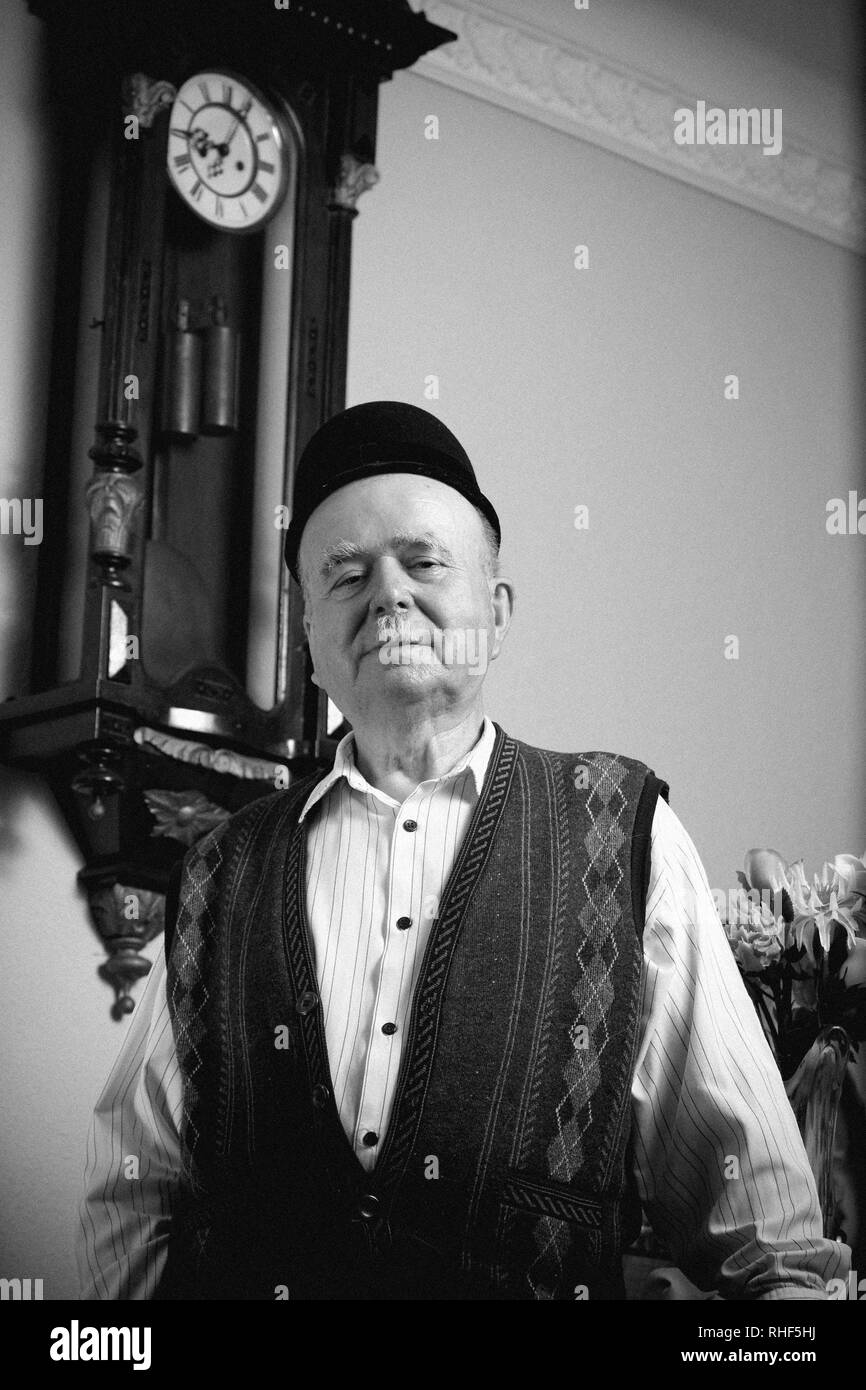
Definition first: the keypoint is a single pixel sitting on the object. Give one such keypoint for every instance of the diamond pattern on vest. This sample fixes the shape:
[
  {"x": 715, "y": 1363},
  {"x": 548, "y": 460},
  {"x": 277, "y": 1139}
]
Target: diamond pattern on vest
[
  {"x": 188, "y": 993},
  {"x": 606, "y": 883}
]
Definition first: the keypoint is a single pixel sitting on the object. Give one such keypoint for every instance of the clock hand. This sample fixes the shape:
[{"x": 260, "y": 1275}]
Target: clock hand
[
  {"x": 200, "y": 140},
  {"x": 202, "y": 143},
  {"x": 239, "y": 116}
]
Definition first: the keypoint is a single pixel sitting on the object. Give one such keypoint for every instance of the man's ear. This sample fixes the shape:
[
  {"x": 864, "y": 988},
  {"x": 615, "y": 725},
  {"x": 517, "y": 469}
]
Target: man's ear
[{"x": 502, "y": 598}]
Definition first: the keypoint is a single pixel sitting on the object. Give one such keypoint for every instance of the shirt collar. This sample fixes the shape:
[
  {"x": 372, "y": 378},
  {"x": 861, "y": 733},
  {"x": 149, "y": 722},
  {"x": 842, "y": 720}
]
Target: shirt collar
[{"x": 477, "y": 760}]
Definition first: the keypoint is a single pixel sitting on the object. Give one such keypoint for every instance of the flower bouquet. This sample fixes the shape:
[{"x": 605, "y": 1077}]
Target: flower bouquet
[{"x": 801, "y": 951}]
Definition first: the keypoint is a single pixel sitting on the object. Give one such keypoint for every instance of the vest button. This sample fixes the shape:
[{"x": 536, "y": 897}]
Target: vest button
[
  {"x": 389, "y": 1028},
  {"x": 307, "y": 1002},
  {"x": 410, "y": 825},
  {"x": 370, "y": 1139},
  {"x": 368, "y": 1206},
  {"x": 321, "y": 1096},
  {"x": 404, "y": 923}
]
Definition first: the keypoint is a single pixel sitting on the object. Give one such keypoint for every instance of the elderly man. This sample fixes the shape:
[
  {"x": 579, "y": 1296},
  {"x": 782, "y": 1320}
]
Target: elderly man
[{"x": 434, "y": 1024}]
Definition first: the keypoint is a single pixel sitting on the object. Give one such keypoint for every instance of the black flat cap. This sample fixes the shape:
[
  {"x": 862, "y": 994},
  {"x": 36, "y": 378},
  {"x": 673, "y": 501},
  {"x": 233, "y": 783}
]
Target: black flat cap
[{"x": 378, "y": 437}]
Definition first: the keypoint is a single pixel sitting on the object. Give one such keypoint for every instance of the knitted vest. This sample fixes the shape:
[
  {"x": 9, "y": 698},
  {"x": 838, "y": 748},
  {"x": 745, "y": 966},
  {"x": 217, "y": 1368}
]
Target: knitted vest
[{"x": 505, "y": 1170}]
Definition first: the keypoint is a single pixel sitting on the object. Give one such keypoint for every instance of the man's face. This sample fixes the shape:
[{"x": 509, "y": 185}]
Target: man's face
[{"x": 399, "y": 606}]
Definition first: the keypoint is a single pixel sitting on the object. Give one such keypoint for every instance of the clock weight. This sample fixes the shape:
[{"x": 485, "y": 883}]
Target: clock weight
[
  {"x": 221, "y": 373},
  {"x": 182, "y": 376}
]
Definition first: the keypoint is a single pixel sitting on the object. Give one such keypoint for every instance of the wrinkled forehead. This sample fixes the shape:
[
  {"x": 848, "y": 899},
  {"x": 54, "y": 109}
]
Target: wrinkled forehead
[{"x": 389, "y": 511}]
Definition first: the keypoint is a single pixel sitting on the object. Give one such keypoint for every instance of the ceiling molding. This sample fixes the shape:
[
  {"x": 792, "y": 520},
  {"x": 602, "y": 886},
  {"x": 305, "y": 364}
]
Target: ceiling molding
[{"x": 616, "y": 106}]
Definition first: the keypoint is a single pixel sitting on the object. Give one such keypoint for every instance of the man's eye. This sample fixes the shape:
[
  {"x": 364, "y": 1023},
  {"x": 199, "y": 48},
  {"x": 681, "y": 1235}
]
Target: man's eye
[{"x": 413, "y": 564}]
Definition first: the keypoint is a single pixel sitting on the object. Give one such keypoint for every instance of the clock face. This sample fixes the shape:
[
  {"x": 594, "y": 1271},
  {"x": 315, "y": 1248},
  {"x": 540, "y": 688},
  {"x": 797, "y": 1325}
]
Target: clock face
[{"x": 227, "y": 153}]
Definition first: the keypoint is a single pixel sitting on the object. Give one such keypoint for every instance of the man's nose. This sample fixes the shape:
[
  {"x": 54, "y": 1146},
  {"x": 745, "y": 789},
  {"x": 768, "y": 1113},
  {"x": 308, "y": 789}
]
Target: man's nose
[{"x": 390, "y": 588}]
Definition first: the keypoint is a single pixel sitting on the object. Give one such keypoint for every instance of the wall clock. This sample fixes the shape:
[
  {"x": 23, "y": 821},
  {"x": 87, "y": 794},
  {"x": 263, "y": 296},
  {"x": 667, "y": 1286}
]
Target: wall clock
[
  {"x": 227, "y": 153},
  {"x": 205, "y": 198}
]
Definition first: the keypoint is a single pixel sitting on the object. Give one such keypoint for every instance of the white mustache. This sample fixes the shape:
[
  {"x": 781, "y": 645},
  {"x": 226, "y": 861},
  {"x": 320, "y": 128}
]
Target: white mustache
[
  {"x": 402, "y": 644},
  {"x": 398, "y": 629}
]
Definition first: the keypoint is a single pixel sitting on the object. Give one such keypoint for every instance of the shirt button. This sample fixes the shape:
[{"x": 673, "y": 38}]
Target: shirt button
[
  {"x": 404, "y": 923},
  {"x": 307, "y": 1002},
  {"x": 370, "y": 1139},
  {"x": 389, "y": 1028},
  {"x": 321, "y": 1096},
  {"x": 368, "y": 1206},
  {"x": 410, "y": 825}
]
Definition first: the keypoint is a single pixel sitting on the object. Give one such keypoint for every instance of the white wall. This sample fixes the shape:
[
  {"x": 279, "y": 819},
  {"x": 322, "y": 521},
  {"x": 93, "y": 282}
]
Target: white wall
[{"x": 601, "y": 387}]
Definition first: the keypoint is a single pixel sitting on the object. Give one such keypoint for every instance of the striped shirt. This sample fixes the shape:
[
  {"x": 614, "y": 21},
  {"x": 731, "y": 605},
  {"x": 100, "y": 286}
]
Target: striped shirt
[{"x": 705, "y": 1085}]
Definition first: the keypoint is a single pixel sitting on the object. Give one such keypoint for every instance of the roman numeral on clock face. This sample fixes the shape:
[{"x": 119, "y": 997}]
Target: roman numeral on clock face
[
  {"x": 181, "y": 161},
  {"x": 265, "y": 167},
  {"x": 205, "y": 90},
  {"x": 227, "y": 93},
  {"x": 197, "y": 189},
  {"x": 218, "y": 206},
  {"x": 259, "y": 192}
]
